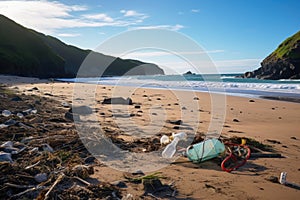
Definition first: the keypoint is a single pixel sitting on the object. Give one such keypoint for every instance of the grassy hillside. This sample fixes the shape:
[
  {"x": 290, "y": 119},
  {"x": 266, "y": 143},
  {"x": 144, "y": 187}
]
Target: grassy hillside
[
  {"x": 22, "y": 53},
  {"x": 26, "y": 52},
  {"x": 285, "y": 49}
]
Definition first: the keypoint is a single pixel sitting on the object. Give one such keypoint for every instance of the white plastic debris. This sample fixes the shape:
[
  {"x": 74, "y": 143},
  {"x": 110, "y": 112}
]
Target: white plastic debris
[
  {"x": 46, "y": 147},
  {"x": 6, "y": 113},
  {"x": 5, "y": 157},
  {"x": 164, "y": 140}
]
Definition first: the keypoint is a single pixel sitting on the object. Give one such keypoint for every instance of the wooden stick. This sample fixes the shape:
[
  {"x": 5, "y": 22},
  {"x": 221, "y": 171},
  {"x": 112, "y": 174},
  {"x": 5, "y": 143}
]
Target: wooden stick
[
  {"x": 19, "y": 186},
  {"x": 60, "y": 177},
  {"x": 28, "y": 190},
  {"x": 81, "y": 180},
  {"x": 31, "y": 166}
]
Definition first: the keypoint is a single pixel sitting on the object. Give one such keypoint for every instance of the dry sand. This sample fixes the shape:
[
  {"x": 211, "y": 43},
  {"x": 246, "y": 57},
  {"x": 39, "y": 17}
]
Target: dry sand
[{"x": 276, "y": 123}]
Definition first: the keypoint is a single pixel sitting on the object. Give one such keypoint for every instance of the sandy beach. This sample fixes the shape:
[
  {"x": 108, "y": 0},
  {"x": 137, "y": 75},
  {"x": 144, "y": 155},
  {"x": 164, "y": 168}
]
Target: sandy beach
[{"x": 271, "y": 122}]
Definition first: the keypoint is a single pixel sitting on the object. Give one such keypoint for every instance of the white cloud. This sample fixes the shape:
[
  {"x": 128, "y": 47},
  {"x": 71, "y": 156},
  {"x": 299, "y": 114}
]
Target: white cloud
[
  {"x": 195, "y": 10},
  {"x": 49, "y": 16},
  {"x": 68, "y": 34},
  {"x": 100, "y": 16},
  {"x": 133, "y": 13},
  {"x": 169, "y": 27}
]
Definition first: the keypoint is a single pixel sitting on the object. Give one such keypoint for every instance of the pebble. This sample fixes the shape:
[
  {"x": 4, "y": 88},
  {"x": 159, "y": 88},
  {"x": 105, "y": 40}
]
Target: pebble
[
  {"x": 17, "y": 98},
  {"x": 119, "y": 184},
  {"x": 46, "y": 147},
  {"x": 89, "y": 160},
  {"x": 65, "y": 104},
  {"x": 42, "y": 177},
  {"x": 236, "y": 120},
  {"x": 5, "y": 157},
  {"x": 20, "y": 115}
]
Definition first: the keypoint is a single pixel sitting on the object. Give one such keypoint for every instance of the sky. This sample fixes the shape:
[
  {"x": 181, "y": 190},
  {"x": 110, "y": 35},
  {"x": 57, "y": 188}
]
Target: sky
[{"x": 236, "y": 34}]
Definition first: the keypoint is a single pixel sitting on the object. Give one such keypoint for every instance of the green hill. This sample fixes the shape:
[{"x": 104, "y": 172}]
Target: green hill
[
  {"x": 283, "y": 63},
  {"x": 25, "y": 52}
]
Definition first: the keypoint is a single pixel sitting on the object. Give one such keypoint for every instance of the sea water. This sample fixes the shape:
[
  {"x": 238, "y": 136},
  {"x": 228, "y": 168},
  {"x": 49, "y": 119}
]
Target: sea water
[{"x": 218, "y": 83}]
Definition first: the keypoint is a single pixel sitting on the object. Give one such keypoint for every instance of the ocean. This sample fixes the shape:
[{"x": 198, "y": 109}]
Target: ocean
[{"x": 218, "y": 83}]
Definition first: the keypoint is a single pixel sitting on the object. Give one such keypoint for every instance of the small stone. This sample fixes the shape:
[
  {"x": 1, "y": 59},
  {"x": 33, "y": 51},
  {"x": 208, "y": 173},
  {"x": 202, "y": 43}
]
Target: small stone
[
  {"x": 5, "y": 157},
  {"x": 34, "y": 88},
  {"x": 251, "y": 100},
  {"x": 236, "y": 120},
  {"x": 138, "y": 172},
  {"x": 176, "y": 127},
  {"x": 279, "y": 117},
  {"x": 42, "y": 177},
  {"x": 17, "y": 98},
  {"x": 293, "y": 138},
  {"x": 176, "y": 122},
  {"x": 72, "y": 116},
  {"x": 89, "y": 160},
  {"x": 196, "y": 98},
  {"x": 137, "y": 106},
  {"x": 119, "y": 184},
  {"x": 158, "y": 99},
  {"x": 81, "y": 110},
  {"x": 65, "y": 104}
]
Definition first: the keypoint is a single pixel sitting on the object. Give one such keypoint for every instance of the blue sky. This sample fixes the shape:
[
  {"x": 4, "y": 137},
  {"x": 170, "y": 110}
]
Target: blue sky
[{"x": 237, "y": 34}]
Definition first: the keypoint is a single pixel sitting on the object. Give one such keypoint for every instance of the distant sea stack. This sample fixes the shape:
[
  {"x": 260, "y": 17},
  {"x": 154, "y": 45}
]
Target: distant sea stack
[
  {"x": 283, "y": 63},
  {"x": 25, "y": 52}
]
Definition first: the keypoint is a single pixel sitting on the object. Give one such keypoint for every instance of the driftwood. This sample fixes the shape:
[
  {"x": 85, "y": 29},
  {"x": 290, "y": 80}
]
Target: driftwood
[{"x": 60, "y": 177}]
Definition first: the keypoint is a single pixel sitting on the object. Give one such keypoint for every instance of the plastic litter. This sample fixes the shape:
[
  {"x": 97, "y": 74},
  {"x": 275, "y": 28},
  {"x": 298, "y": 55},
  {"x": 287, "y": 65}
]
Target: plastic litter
[
  {"x": 5, "y": 157},
  {"x": 180, "y": 136},
  {"x": 170, "y": 150},
  {"x": 283, "y": 181},
  {"x": 205, "y": 150},
  {"x": 6, "y": 113},
  {"x": 164, "y": 140}
]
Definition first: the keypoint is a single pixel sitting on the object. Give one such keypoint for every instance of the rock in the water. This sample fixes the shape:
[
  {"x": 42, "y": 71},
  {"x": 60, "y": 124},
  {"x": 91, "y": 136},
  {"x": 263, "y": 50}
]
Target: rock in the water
[
  {"x": 42, "y": 177},
  {"x": 117, "y": 100}
]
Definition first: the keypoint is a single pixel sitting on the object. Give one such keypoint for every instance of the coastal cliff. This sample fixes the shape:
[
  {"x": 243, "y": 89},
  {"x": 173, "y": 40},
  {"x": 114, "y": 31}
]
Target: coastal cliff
[
  {"x": 25, "y": 52},
  {"x": 283, "y": 63}
]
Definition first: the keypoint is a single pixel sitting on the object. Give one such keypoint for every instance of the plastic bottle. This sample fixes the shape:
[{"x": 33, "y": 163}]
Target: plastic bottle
[
  {"x": 170, "y": 149},
  {"x": 180, "y": 136}
]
